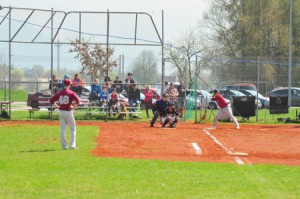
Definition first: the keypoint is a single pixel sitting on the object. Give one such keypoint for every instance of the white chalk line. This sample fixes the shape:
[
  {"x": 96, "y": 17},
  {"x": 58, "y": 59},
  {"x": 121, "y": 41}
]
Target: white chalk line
[
  {"x": 228, "y": 151},
  {"x": 196, "y": 148}
]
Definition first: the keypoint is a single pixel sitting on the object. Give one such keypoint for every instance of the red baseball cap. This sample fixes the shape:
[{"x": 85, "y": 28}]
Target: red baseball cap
[{"x": 67, "y": 82}]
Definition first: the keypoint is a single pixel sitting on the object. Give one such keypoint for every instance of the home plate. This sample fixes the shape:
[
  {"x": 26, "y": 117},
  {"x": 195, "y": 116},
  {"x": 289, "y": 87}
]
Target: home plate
[{"x": 238, "y": 153}]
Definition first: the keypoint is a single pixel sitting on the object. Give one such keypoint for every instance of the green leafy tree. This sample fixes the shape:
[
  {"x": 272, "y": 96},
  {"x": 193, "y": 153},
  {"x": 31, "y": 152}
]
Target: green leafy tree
[{"x": 246, "y": 29}]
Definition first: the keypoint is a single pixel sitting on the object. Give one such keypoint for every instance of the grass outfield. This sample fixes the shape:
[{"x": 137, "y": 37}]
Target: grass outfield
[{"x": 32, "y": 165}]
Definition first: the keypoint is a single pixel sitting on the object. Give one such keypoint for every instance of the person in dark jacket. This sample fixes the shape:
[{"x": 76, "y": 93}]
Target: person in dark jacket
[
  {"x": 133, "y": 98},
  {"x": 159, "y": 108}
]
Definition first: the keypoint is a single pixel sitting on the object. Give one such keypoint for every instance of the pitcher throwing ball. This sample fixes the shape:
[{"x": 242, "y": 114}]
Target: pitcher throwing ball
[
  {"x": 65, "y": 98},
  {"x": 224, "y": 109}
]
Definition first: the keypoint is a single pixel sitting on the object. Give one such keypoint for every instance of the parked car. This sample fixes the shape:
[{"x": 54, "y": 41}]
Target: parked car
[
  {"x": 228, "y": 94},
  {"x": 265, "y": 101},
  {"x": 42, "y": 99},
  {"x": 244, "y": 86},
  {"x": 203, "y": 97},
  {"x": 283, "y": 91}
]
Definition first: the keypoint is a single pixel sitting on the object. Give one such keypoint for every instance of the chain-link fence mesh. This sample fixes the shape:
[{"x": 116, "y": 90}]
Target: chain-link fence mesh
[{"x": 264, "y": 73}]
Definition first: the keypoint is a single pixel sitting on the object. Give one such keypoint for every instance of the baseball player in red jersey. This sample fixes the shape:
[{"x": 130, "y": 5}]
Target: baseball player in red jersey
[
  {"x": 65, "y": 98},
  {"x": 224, "y": 109}
]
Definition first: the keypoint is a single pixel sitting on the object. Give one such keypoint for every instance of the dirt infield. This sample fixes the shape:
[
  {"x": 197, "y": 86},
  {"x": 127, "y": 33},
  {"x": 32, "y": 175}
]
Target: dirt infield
[{"x": 264, "y": 144}]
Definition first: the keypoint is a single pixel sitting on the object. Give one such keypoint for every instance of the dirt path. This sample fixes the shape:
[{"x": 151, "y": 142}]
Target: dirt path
[{"x": 264, "y": 144}]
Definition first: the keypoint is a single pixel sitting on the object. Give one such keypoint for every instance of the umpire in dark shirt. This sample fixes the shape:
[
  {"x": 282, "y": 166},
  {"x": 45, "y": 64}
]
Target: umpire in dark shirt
[{"x": 159, "y": 107}]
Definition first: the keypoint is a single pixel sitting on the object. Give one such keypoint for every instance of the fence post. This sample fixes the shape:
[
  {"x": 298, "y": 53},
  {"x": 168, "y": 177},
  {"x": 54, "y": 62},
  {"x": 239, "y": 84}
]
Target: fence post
[{"x": 258, "y": 70}]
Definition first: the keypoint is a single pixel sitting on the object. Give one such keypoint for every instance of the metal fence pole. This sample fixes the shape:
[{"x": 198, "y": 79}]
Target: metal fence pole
[
  {"x": 52, "y": 13},
  {"x": 196, "y": 115},
  {"x": 9, "y": 63},
  {"x": 258, "y": 71},
  {"x": 290, "y": 54}
]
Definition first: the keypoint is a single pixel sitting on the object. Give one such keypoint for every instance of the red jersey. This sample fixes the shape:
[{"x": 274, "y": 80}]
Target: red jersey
[
  {"x": 113, "y": 97},
  {"x": 148, "y": 95},
  {"x": 221, "y": 101},
  {"x": 77, "y": 82},
  {"x": 65, "y": 98}
]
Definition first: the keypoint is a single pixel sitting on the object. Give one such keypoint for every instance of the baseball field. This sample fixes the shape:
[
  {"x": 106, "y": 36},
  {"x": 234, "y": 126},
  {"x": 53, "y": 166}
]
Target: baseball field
[{"x": 132, "y": 160}]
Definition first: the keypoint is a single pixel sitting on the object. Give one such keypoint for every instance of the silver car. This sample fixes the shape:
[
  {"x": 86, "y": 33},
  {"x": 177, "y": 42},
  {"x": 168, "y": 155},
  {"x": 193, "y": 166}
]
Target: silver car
[
  {"x": 203, "y": 98},
  {"x": 283, "y": 91}
]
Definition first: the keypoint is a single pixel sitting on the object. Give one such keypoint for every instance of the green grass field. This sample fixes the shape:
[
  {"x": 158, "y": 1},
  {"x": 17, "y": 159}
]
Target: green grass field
[
  {"x": 16, "y": 95},
  {"x": 32, "y": 165}
]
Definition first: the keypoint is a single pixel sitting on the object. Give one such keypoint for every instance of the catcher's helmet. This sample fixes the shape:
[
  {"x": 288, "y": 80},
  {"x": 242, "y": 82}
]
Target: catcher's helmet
[{"x": 216, "y": 91}]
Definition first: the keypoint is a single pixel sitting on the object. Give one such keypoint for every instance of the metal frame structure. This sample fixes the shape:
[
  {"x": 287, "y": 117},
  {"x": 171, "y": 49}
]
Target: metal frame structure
[{"x": 12, "y": 37}]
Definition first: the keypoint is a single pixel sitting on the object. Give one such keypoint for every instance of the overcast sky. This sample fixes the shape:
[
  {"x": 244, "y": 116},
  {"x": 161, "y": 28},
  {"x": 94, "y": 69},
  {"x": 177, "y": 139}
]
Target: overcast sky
[{"x": 178, "y": 15}]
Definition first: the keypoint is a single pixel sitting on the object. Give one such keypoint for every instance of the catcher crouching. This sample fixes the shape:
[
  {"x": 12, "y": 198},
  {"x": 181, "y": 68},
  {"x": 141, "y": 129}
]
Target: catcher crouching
[{"x": 169, "y": 116}]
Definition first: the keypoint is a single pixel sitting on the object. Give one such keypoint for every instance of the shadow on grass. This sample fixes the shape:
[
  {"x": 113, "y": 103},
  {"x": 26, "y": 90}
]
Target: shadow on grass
[{"x": 38, "y": 151}]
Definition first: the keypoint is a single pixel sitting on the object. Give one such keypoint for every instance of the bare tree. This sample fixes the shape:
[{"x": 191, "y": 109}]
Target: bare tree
[
  {"x": 93, "y": 57},
  {"x": 37, "y": 71},
  {"x": 182, "y": 55}
]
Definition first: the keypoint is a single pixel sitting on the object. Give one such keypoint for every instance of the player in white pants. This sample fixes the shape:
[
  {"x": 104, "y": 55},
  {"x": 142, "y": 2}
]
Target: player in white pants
[
  {"x": 67, "y": 117},
  {"x": 65, "y": 98},
  {"x": 224, "y": 109}
]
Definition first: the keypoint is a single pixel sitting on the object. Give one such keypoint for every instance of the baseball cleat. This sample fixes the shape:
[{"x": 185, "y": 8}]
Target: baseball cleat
[{"x": 212, "y": 128}]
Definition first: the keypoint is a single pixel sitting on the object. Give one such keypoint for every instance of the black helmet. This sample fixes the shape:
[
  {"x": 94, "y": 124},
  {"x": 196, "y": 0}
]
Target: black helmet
[{"x": 216, "y": 91}]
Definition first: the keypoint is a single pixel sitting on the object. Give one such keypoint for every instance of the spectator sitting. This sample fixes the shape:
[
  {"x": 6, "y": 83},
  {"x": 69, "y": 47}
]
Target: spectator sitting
[
  {"x": 118, "y": 84},
  {"x": 113, "y": 101},
  {"x": 55, "y": 84},
  {"x": 107, "y": 79},
  {"x": 109, "y": 87},
  {"x": 77, "y": 84},
  {"x": 103, "y": 96},
  {"x": 95, "y": 90}
]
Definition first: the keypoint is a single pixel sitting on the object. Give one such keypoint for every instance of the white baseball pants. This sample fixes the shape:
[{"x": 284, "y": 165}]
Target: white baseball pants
[
  {"x": 67, "y": 118},
  {"x": 227, "y": 111}
]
